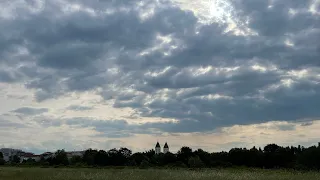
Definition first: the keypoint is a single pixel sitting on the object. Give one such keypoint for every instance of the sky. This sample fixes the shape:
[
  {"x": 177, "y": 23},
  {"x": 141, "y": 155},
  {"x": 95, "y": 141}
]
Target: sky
[{"x": 210, "y": 74}]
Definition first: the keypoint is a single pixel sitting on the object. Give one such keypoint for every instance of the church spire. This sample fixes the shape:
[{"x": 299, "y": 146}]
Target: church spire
[
  {"x": 158, "y": 148},
  {"x": 165, "y": 148},
  {"x": 166, "y": 145}
]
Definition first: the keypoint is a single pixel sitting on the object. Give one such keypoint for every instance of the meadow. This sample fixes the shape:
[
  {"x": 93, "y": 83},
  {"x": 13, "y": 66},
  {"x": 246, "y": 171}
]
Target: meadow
[{"x": 15, "y": 173}]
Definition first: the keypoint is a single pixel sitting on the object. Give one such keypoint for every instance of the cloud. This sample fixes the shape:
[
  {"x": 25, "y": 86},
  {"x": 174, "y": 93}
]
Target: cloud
[
  {"x": 160, "y": 61},
  {"x": 109, "y": 128},
  {"x": 8, "y": 77},
  {"x": 4, "y": 123},
  {"x": 288, "y": 127},
  {"x": 30, "y": 111},
  {"x": 79, "y": 108},
  {"x": 307, "y": 124}
]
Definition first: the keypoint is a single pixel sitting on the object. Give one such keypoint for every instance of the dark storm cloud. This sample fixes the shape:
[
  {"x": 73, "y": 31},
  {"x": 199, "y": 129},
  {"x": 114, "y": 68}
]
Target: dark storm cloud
[
  {"x": 273, "y": 20},
  {"x": 265, "y": 15},
  {"x": 31, "y": 111},
  {"x": 108, "y": 128},
  {"x": 153, "y": 65},
  {"x": 206, "y": 114},
  {"x": 6, "y": 77},
  {"x": 240, "y": 81}
]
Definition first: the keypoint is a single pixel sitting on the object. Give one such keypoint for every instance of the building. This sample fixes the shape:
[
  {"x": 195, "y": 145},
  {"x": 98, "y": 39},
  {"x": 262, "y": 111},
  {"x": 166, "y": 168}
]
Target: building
[
  {"x": 27, "y": 156},
  {"x": 75, "y": 153},
  {"x": 47, "y": 155},
  {"x": 165, "y": 148},
  {"x": 24, "y": 156},
  {"x": 158, "y": 148},
  {"x": 9, "y": 152}
]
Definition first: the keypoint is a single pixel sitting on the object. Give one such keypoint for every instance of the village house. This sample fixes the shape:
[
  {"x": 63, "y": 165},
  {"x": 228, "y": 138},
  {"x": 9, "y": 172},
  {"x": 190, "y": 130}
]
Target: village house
[
  {"x": 75, "y": 153},
  {"x": 27, "y": 156},
  {"x": 24, "y": 156},
  {"x": 9, "y": 152}
]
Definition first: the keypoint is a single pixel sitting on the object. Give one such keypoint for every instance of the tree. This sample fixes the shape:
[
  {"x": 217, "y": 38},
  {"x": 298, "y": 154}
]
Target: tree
[
  {"x": 184, "y": 154},
  {"x": 195, "y": 162},
  {"x": 219, "y": 159},
  {"x": 125, "y": 152},
  {"x": 271, "y": 156},
  {"x": 75, "y": 160},
  {"x": 238, "y": 156},
  {"x": 169, "y": 158},
  {"x": 204, "y": 156},
  {"x": 60, "y": 158},
  {"x": 139, "y": 157},
  {"x": 124, "y": 155},
  {"x": 15, "y": 159},
  {"x": 309, "y": 158},
  {"x": 89, "y": 157},
  {"x": 149, "y": 153},
  {"x": 101, "y": 158},
  {"x": 29, "y": 161},
  {"x": 144, "y": 164},
  {"x": 113, "y": 157},
  {"x": 255, "y": 157},
  {"x": 2, "y": 161}
]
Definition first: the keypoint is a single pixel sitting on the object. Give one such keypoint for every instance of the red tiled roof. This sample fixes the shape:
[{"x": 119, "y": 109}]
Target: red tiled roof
[{"x": 28, "y": 155}]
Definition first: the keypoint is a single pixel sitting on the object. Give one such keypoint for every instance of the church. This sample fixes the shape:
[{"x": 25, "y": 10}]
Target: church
[{"x": 158, "y": 148}]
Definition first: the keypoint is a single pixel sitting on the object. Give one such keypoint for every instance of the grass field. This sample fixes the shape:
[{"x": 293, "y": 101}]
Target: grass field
[{"x": 149, "y": 174}]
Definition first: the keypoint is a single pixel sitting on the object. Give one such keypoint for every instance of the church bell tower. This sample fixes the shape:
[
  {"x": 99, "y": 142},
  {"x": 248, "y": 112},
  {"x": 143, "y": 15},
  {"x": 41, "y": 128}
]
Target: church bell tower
[
  {"x": 165, "y": 148},
  {"x": 158, "y": 148}
]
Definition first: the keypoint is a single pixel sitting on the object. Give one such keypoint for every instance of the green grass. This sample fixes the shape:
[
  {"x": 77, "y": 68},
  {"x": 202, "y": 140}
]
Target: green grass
[{"x": 10, "y": 173}]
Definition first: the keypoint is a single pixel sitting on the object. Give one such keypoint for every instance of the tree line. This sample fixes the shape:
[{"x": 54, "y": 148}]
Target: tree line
[{"x": 270, "y": 157}]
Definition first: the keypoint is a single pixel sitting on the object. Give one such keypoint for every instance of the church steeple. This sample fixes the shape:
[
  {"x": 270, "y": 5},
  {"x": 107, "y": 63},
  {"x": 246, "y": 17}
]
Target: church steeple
[
  {"x": 158, "y": 148},
  {"x": 165, "y": 148}
]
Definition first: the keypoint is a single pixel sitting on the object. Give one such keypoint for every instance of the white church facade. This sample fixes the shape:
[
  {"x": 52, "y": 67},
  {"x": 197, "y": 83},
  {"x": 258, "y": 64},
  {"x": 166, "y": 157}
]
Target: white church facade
[{"x": 158, "y": 148}]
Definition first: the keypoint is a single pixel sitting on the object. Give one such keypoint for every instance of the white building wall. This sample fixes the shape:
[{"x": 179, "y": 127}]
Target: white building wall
[
  {"x": 158, "y": 150},
  {"x": 165, "y": 150},
  {"x": 37, "y": 158},
  {"x": 8, "y": 152}
]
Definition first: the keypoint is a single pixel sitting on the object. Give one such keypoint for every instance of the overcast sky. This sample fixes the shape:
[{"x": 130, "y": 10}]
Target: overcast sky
[{"x": 210, "y": 74}]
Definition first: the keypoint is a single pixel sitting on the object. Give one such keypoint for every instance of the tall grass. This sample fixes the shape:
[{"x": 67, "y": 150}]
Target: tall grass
[{"x": 150, "y": 174}]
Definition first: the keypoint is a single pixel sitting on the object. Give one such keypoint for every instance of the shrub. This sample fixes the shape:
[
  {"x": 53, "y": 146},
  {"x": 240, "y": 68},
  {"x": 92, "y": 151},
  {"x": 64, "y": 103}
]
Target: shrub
[
  {"x": 195, "y": 162},
  {"x": 144, "y": 164},
  {"x": 2, "y": 162}
]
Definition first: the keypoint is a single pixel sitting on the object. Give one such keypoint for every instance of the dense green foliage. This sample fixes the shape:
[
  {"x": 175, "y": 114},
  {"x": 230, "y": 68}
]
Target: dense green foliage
[
  {"x": 2, "y": 162},
  {"x": 271, "y": 156},
  {"x": 153, "y": 174},
  {"x": 15, "y": 159}
]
